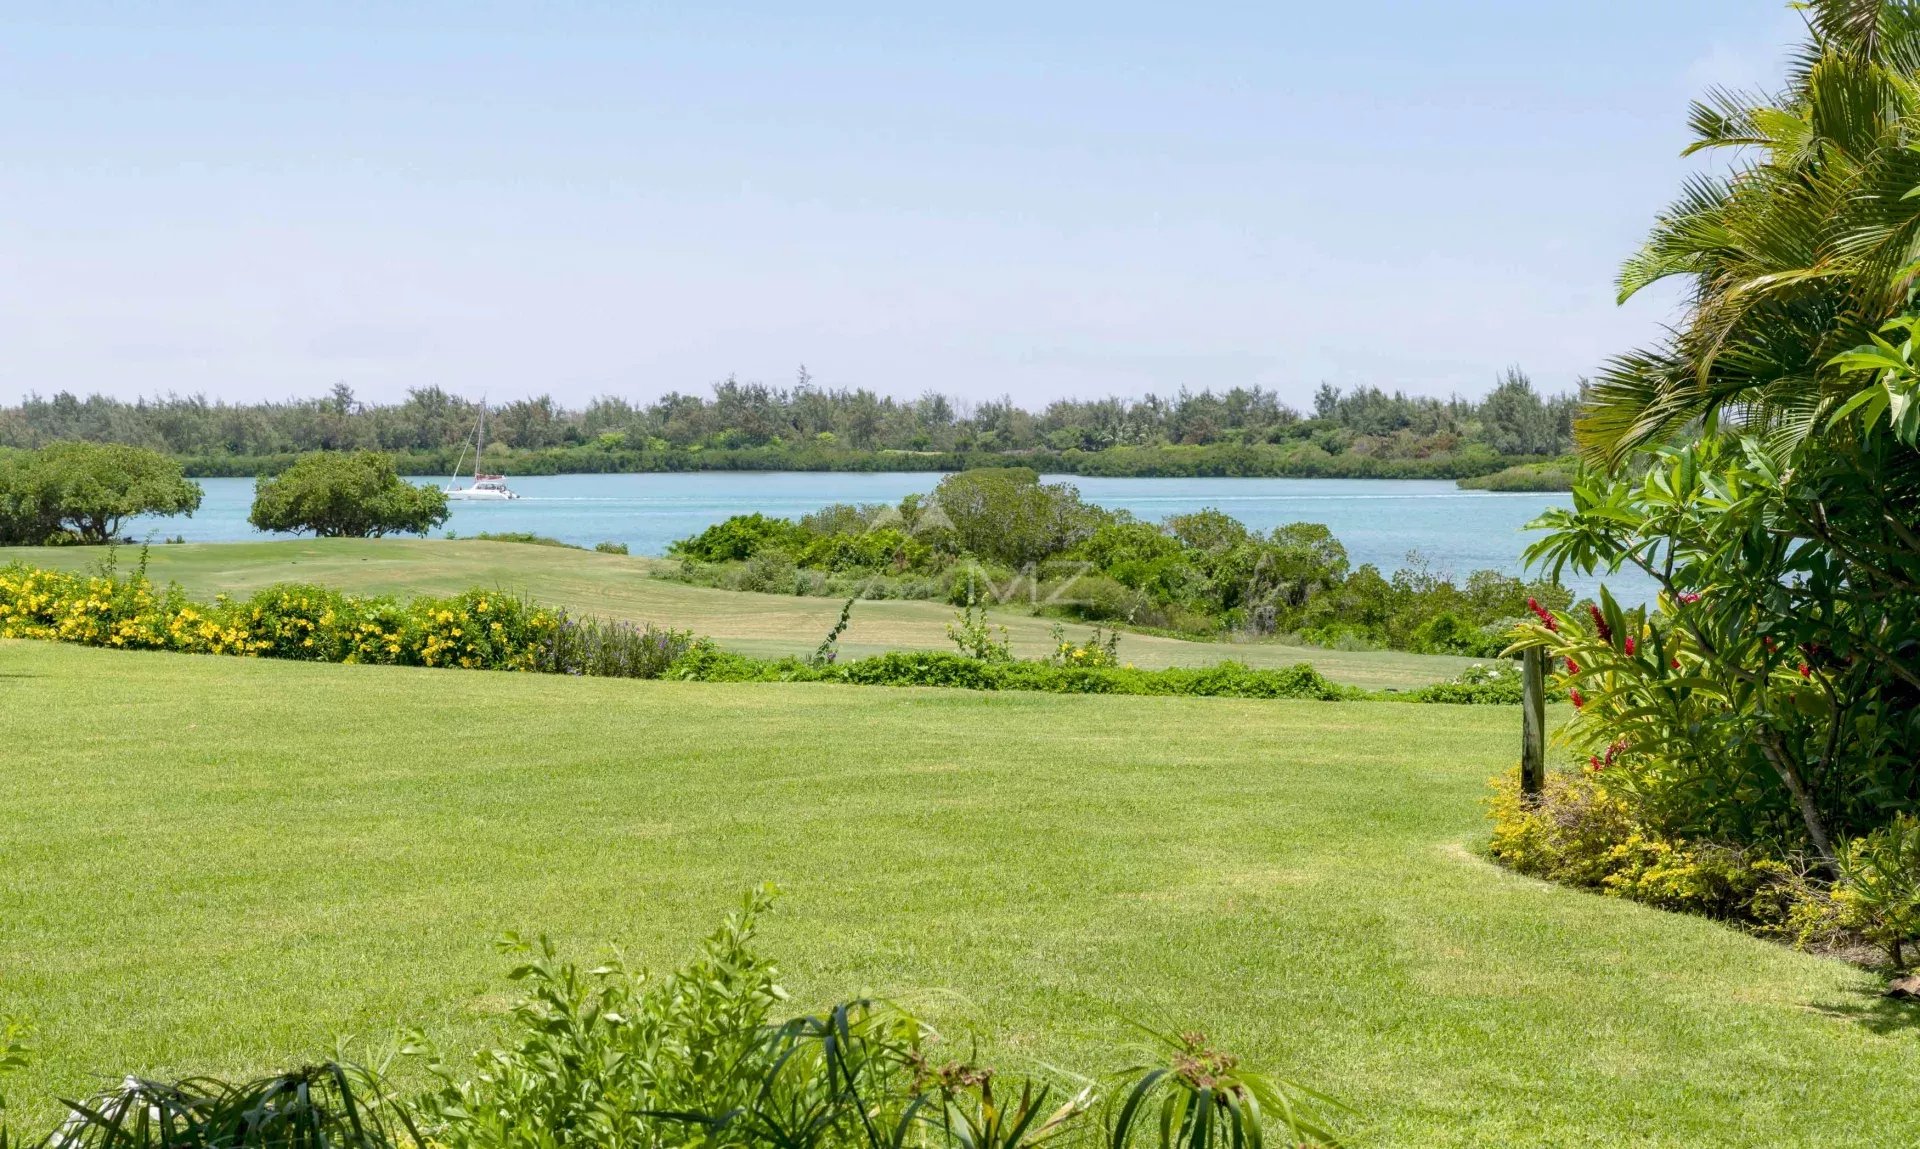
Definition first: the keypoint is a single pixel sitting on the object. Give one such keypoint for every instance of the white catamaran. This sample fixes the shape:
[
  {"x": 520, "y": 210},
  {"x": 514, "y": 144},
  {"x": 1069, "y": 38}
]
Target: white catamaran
[{"x": 485, "y": 487}]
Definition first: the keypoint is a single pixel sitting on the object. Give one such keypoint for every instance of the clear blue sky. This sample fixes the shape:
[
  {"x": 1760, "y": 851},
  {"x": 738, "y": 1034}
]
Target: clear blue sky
[{"x": 260, "y": 200}]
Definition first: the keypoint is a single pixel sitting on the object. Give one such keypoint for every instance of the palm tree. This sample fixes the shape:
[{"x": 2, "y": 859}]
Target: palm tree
[{"x": 1808, "y": 243}]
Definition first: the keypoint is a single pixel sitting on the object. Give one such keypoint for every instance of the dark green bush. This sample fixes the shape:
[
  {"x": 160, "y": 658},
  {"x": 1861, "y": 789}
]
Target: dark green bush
[
  {"x": 334, "y": 495},
  {"x": 740, "y": 538},
  {"x": 705, "y": 662}
]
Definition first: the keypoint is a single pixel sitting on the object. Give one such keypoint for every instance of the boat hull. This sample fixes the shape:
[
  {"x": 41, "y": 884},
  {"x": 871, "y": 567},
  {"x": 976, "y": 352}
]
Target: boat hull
[{"x": 469, "y": 496}]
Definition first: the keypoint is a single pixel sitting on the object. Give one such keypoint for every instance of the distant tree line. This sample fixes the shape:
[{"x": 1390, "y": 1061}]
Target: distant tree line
[{"x": 753, "y": 422}]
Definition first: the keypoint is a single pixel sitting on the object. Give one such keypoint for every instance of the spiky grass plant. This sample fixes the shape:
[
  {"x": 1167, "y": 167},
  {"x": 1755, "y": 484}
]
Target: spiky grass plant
[
  {"x": 1202, "y": 1098},
  {"x": 326, "y": 1106}
]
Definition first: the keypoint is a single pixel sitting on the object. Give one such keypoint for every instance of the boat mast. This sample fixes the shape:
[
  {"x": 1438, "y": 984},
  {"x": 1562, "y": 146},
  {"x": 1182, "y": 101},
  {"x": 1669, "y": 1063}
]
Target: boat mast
[{"x": 480, "y": 439}]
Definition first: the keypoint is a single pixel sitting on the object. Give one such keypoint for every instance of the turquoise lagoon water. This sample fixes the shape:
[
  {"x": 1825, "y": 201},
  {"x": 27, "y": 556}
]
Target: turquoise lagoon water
[{"x": 1380, "y": 521}]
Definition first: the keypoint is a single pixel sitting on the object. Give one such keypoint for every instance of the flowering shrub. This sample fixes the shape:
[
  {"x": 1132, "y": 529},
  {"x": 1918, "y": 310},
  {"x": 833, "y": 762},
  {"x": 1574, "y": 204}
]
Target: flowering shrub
[
  {"x": 1101, "y": 649},
  {"x": 480, "y": 630}
]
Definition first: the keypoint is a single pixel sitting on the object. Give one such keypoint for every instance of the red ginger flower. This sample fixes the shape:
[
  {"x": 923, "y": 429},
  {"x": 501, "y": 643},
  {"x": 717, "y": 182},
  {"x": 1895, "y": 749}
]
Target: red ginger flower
[
  {"x": 1600, "y": 626},
  {"x": 1689, "y": 597},
  {"x": 1545, "y": 615},
  {"x": 1578, "y": 701},
  {"x": 1572, "y": 667},
  {"x": 1806, "y": 671},
  {"x": 1629, "y": 644}
]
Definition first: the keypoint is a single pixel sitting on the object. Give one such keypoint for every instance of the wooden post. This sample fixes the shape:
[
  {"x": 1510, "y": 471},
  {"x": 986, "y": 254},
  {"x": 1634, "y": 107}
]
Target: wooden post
[{"x": 1533, "y": 721}]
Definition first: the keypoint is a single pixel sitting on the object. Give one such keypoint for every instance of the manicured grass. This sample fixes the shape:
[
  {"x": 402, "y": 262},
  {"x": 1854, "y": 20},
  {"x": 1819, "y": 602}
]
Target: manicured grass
[
  {"x": 616, "y": 586},
  {"x": 217, "y": 864}
]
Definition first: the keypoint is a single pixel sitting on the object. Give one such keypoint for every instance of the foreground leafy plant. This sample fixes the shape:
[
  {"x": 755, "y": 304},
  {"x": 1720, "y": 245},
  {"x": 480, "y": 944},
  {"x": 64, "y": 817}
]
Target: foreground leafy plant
[
  {"x": 1879, "y": 890},
  {"x": 14, "y": 1051},
  {"x": 610, "y": 1057},
  {"x": 1204, "y": 1099},
  {"x": 327, "y": 1106}
]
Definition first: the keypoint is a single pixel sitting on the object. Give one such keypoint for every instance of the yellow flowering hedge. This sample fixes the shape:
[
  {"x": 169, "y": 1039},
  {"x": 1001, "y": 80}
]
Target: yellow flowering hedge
[{"x": 477, "y": 629}]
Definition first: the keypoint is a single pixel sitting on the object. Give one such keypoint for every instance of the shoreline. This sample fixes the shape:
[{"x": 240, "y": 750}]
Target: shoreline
[{"x": 1263, "y": 461}]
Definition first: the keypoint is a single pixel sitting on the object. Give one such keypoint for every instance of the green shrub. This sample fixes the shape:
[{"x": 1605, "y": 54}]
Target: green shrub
[
  {"x": 920, "y": 668},
  {"x": 768, "y": 572},
  {"x": 1101, "y": 649},
  {"x": 706, "y": 662},
  {"x": 975, "y": 637},
  {"x": 335, "y": 495},
  {"x": 610, "y": 1056},
  {"x": 740, "y": 538},
  {"x": 999, "y": 535},
  {"x": 1096, "y": 598},
  {"x": 1878, "y": 895},
  {"x": 611, "y": 548},
  {"x": 1494, "y": 684}
]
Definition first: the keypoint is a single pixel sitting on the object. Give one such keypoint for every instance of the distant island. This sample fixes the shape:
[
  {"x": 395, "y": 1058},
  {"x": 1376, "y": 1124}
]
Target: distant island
[{"x": 1513, "y": 438}]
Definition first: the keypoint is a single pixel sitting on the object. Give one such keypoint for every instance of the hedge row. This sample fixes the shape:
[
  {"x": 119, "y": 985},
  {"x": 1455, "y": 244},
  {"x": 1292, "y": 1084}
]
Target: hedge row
[
  {"x": 479, "y": 630},
  {"x": 487, "y": 630},
  {"x": 705, "y": 662}
]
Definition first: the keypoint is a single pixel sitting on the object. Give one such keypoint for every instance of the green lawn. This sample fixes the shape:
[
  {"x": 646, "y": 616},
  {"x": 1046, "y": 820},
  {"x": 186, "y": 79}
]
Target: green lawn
[
  {"x": 615, "y": 586},
  {"x": 218, "y": 864}
]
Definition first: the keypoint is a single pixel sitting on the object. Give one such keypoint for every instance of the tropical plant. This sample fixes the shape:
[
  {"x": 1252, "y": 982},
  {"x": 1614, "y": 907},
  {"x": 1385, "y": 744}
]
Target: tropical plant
[
  {"x": 1799, "y": 253},
  {"x": 356, "y": 495},
  {"x": 327, "y": 1106},
  {"x": 15, "y": 1049},
  {"x": 1879, "y": 891},
  {"x": 1760, "y": 466},
  {"x": 1202, "y": 1098}
]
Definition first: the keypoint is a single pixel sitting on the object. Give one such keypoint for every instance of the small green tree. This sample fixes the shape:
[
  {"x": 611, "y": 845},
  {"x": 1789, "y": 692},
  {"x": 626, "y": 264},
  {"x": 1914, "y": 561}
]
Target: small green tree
[
  {"x": 335, "y": 495},
  {"x": 1008, "y": 515},
  {"x": 26, "y": 519},
  {"x": 90, "y": 489}
]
